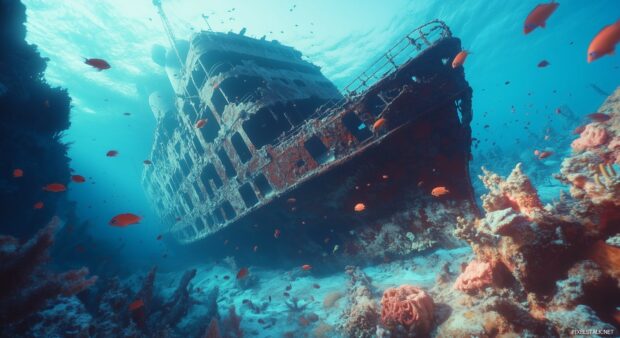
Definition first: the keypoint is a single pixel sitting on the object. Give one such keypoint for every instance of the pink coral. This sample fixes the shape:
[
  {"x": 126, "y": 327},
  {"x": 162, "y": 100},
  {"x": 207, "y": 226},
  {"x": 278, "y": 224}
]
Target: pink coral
[
  {"x": 477, "y": 275},
  {"x": 516, "y": 192},
  {"x": 592, "y": 137},
  {"x": 407, "y": 306}
]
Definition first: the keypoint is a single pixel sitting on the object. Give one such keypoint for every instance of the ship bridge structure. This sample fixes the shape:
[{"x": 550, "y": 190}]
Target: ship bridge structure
[{"x": 282, "y": 148}]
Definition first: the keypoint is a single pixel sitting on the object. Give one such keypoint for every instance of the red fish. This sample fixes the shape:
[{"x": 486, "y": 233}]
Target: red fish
[
  {"x": 201, "y": 123},
  {"x": 100, "y": 64},
  {"x": 122, "y": 220},
  {"x": 244, "y": 272},
  {"x": 159, "y": 237},
  {"x": 111, "y": 153},
  {"x": 136, "y": 304},
  {"x": 39, "y": 205},
  {"x": 276, "y": 234},
  {"x": 579, "y": 130},
  {"x": 604, "y": 43},
  {"x": 306, "y": 267},
  {"x": 78, "y": 179},
  {"x": 538, "y": 16},
  {"x": 459, "y": 59},
  {"x": 378, "y": 124},
  {"x": 359, "y": 207},
  {"x": 599, "y": 117},
  {"x": 439, "y": 191},
  {"x": 55, "y": 187},
  {"x": 147, "y": 162},
  {"x": 543, "y": 64},
  {"x": 17, "y": 173},
  {"x": 544, "y": 154}
]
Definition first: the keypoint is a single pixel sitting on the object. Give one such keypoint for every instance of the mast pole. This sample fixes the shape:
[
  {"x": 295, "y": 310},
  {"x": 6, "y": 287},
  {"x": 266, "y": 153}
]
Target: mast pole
[{"x": 168, "y": 29}]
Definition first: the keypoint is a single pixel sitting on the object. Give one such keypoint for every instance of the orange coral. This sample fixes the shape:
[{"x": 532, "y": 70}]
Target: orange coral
[
  {"x": 592, "y": 137},
  {"x": 477, "y": 275},
  {"x": 407, "y": 306}
]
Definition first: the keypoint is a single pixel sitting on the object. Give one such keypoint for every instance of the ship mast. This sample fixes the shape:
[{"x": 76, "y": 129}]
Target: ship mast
[{"x": 168, "y": 29}]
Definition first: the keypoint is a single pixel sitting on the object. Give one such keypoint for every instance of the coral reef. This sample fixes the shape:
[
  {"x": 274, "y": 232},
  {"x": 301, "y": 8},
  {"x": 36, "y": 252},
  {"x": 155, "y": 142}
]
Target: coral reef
[
  {"x": 476, "y": 276},
  {"x": 25, "y": 285},
  {"x": 361, "y": 315},
  {"x": 407, "y": 310}
]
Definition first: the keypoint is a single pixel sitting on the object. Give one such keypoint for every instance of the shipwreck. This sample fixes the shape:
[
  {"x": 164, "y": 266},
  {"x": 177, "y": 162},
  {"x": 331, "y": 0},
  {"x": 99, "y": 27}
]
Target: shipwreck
[{"x": 283, "y": 151}]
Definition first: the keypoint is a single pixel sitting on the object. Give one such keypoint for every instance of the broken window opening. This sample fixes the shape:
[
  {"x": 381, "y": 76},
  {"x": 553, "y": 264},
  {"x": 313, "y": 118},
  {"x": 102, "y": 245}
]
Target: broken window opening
[
  {"x": 229, "y": 169},
  {"x": 240, "y": 147},
  {"x": 209, "y": 219},
  {"x": 219, "y": 216},
  {"x": 210, "y": 130},
  {"x": 227, "y": 209},
  {"x": 300, "y": 163},
  {"x": 248, "y": 195},
  {"x": 265, "y": 126},
  {"x": 263, "y": 185},
  {"x": 201, "y": 196},
  {"x": 197, "y": 144},
  {"x": 356, "y": 127},
  {"x": 236, "y": 88},
  {"x": 316, "y": 149},
  {"x": 177, "y": 179},
  {"x": 188, "y": 200},
  {"x": 209, "y": 174},
  {"x": 219, "y": 101},
  {"x": 200, "y": 224}
]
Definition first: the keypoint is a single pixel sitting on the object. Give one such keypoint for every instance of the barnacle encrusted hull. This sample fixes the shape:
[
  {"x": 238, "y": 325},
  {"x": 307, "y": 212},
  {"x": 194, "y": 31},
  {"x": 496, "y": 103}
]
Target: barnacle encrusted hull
[{"x": 243, "y": 183}]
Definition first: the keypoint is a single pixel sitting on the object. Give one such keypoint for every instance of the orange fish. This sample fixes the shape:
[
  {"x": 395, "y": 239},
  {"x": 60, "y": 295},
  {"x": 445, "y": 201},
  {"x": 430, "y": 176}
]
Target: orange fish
[
  {"x": 78, "y": 179},
  {"x": 544, "y": 154},
  {"x": 306, "y": 267},
  {"x": 111, "y": 153},
  {"x": 244, "y": 272},
  {"x": 604, "y": 42},
  {"x": 55, "y": 187},
  {"x": 276, "y": 233},
  {"x": 201, "y": 123},
  {"x": 378, "y": 124},
  {"x": 147, "y": 162},
  {"x": 439, "y": 191},
  {"x": 459, "y": 59},
  {"x": 136, "y": 304},
  {"x": 599, "y": 117},
  {"x": 359, "y": 207},
  {"x": 538, "y": 16},
  {"x": 100, "y": 64},
  {"x": 17, "y": 173},
  {"x": 39, "y": 205},
  {"x": 122, "y": 220}
]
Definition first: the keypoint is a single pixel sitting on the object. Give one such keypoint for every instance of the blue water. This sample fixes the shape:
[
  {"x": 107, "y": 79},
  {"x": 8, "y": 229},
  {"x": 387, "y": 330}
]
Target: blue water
[{"x": 342, "y": 37}]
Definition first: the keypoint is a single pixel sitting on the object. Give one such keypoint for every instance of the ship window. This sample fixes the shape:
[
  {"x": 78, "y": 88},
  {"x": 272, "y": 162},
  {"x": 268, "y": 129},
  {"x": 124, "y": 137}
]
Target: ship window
[
  {"x": 248, "y": 195},
  {"x": 219, "y": 217},
  {"x": 177, "y": 178},
  {"x": 229, "y": 169},
  {"x": 317, "y": 149},
  {"x": 228, "y": 210},
  {"x": 210, "y": 130},
  {"x": 200, "y": 224},
  {"x": 239, "y": 145},
  {"x": 262, "y": 185},
  {"x": 201, "y": 196},
  {"x": 197, "y": 144},
  {"x": 241, "y": 88},
  {"x": 210, "y": 174},
  {"x": 191, "y": 107},
  {"x": 265, "y": 126},
  {"x": 188, "y": 201},
  {"x": 299, "y": 83},
  {"x": 356, "y": 127},
  {"x": 209, "y": 219},
  {"x": 300, "y": 163},
  {"x": 190, "y": 232},
  {"x": 375, "y": 105},
  {"x": 177, "y": 147},
  {"x": 219, "y": 101},
  {"x": 208, "y": 189}
]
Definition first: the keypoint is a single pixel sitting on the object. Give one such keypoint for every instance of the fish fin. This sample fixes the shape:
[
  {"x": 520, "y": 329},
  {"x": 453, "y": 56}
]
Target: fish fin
[{"x": 543, "y": 24}]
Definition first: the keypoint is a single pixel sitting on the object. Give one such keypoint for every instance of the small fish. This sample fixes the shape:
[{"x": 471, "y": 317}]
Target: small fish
[
  {"x": 538, "y": 16},
  {"x": 55, "y": 187},
  {"x": 459, "y": 59},
  {"x": 359, "y": 207},
  {"x": 17, "y": 173},
  {"x": 136, "y": 304},
  {"x": 579, "y": 130},
  {"x": 378, "y": 124},
  {"x": 38, "y": 205},
  {"x": 336, "y": 247},
  {"x": 111, "y": 153},
  {"x": 276, "y": 233},
  {"x": 78, "y": 179},
  {"x": 544, "y": 154},
  {"x": 243, "y": 272},
  {"x": 159, "y": 237},
  {"x": 306, "y": 267},
  {"x": 200, "y": 123},
  {"x": 122, "y": 220},
  {"x": 543, "y": 64},
  {"x": 147, "y": 162},
  {"x": 599, "y": 117},
  {"x": 439, "y": 191},
  {"x": 255, "y": 248},
  {"x": 288, "y": 287},
  {"x": 126, "y": 113},
  {"x": 316, "y": 286},
  {"x": 100, "y": 64},
  {"x": 291, "y": 200},
  {"x": 385, "y": 177},
  {"x": 227, "y": 277},
  {"x": 286, "y": 294},
  {"x": 261, "y": 321},
  {"x": 604, "y": 43}
]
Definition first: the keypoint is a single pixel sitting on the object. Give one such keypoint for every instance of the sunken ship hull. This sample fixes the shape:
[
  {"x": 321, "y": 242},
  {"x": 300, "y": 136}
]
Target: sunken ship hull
[{"x": 254, "y": 178}]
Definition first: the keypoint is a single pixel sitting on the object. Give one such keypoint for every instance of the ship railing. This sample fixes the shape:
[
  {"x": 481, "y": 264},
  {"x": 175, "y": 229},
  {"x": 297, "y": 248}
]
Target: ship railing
[{"x": 404, "y": 50}]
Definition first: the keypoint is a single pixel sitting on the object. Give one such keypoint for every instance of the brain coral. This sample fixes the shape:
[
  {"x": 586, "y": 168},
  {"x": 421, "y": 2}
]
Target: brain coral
[{"x": 407, "y": 307}]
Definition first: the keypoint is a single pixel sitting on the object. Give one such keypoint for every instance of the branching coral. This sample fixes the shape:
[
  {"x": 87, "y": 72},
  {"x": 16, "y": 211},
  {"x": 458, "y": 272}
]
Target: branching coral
[
  {"x": 24, "y": 284},
  {"x": 361, "y": 314},
  {"x": 407, "y": 309}
]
